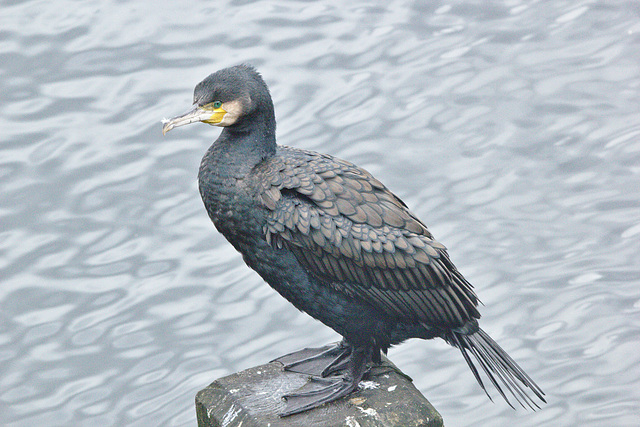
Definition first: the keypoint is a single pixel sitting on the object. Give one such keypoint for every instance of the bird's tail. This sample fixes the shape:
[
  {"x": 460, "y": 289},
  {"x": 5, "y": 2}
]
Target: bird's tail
[{"x": 503, "y": 372}]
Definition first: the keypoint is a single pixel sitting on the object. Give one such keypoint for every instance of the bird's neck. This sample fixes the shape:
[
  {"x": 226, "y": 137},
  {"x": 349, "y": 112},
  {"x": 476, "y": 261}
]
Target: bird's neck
[
  {"x": 238, "y": 150},
  {"x": 223, "y": 176}
]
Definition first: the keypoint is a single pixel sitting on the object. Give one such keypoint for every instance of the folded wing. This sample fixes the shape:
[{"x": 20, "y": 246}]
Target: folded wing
[{"x": 348, "y": 229}]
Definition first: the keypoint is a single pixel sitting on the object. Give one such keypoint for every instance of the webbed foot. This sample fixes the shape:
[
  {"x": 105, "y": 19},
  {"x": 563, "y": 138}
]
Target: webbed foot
[
  {"x": 318, "y": 391},
  {"x": 319, "y": 362}
]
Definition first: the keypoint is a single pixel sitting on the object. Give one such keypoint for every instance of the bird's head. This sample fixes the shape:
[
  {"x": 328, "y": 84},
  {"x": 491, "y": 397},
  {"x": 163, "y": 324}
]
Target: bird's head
[{"x": 224, "y": 98}]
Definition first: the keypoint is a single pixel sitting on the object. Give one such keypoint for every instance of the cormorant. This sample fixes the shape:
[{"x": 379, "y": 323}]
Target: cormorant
[{"x": 336, "y": 243}]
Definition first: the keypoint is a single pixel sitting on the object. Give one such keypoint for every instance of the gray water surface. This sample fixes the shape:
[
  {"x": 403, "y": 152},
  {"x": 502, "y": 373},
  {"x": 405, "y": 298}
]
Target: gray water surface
[{"x": 511, "y": 128}]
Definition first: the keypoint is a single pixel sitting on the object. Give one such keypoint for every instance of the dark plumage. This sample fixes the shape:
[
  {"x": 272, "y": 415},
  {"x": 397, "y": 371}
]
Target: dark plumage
[{"x": 337, "y": 244}]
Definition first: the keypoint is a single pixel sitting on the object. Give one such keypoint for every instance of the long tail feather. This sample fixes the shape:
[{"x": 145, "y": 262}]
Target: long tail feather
[{"x": 503, "y": 372}]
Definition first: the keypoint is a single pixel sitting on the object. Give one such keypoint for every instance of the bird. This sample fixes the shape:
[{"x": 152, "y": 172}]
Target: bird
[{"x": 339, "y": 245}]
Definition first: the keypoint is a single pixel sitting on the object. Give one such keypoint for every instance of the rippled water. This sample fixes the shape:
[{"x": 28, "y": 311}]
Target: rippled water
[{"x": 512, "y": 128}]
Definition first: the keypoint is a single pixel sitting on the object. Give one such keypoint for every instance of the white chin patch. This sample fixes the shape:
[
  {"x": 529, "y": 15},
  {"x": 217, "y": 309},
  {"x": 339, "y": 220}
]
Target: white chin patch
[{"x": 234, "y": 111}]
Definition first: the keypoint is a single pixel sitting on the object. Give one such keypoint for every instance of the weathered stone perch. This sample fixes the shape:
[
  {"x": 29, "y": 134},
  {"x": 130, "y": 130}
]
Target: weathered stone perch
[{"x": 252, "y": 398}]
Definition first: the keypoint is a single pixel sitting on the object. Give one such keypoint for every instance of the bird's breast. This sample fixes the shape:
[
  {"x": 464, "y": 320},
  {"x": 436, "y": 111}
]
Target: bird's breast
[{"x": 232, "y": 207}]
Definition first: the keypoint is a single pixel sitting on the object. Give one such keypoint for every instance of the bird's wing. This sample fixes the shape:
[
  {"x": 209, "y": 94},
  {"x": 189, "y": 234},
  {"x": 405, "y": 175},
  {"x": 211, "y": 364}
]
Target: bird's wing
[{"x": 346, "y": 227}]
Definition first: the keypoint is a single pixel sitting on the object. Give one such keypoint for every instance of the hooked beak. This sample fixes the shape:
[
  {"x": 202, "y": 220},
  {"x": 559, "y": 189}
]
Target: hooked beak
[{"x": 196, "y": 114}]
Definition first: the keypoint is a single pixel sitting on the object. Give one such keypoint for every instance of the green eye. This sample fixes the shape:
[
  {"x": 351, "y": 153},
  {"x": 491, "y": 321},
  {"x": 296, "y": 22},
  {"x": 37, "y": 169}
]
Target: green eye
[{"x": 217, "y": 104}]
